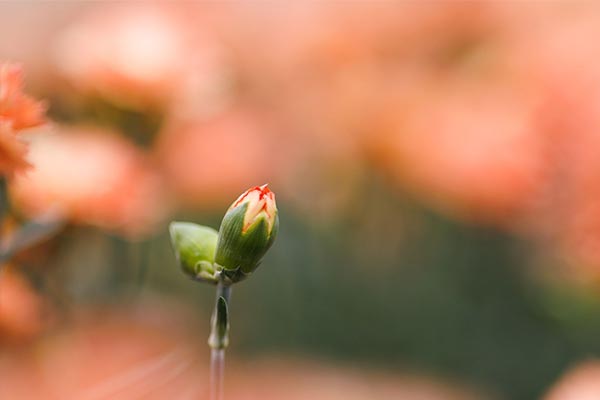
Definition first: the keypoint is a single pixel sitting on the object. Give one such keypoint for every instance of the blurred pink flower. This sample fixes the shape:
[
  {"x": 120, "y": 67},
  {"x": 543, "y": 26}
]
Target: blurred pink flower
[
  {"x": 151, "y": 353},
  {"x": 459, "y": 139},
  {"x": 300, "y": 380},
  {"x": 92, "y": 177},
  {"x": 207, "y": 162},
  {"x": 567, "y": 217},
  {"x": 580, "y": 383},
  {"x": 137, "y": 54},
  {"x": 474, "y": 151},
  {"x": 108, "y": 354}
]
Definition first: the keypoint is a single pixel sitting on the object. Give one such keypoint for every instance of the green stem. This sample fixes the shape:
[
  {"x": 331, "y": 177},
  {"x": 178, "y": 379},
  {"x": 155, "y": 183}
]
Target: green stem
[
  {"x": 4, "y": 202},
  {"x": 217, "y": 373},
  {"x": 218, "y": 340}
]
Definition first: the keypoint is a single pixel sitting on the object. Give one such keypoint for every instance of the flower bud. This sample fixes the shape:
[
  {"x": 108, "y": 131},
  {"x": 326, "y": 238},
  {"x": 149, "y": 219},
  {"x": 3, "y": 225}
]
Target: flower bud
[
  {"x": 195, "y": 247},
  {"x": 248, "y": 230}
]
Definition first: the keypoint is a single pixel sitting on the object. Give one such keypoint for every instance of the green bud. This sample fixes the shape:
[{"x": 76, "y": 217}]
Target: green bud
[
  {"x": 195, "y": 247},
  {"x": 247, "y": 231}
]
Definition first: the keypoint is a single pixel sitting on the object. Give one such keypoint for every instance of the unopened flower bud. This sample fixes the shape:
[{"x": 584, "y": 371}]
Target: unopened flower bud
[
  {"x": 248, "y": 230},
  {"x": 195, "y": 247}
]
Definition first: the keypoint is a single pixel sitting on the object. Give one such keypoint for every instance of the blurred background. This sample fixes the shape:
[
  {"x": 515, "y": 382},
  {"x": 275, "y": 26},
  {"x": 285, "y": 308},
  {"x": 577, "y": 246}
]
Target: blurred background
[{"x": 437, "y": 173}]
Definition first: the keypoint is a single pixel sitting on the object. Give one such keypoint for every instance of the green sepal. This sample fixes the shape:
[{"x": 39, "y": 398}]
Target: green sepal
[
  {"x": 195, "y": 247},
  {"x": 243, "y": 250}
]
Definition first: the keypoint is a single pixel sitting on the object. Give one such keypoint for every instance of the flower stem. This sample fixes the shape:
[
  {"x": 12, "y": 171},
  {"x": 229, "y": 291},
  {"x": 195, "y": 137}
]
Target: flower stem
[
  {"x": 4, "y": 204},
  {"x": 218, "y": 340},
  {"x": 217, "y": 373}
]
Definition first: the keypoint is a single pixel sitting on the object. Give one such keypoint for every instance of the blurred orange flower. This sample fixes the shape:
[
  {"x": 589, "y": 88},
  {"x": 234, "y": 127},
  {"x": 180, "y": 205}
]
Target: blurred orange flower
[
  {"x": 93, "y": 177},
  {"x": 20, "y": 110},
  {"x": 21, "y": 309},
  {"x": 580, "y": 383},
  {"x": 17, "y": 111},
  {"x": 137, "y": 55},
  {"x": 567, "y": 217},
  {"x": 208, "y": 161},
  {"x": 12, "y": 151},
  {"x": 474, "y": 151}
]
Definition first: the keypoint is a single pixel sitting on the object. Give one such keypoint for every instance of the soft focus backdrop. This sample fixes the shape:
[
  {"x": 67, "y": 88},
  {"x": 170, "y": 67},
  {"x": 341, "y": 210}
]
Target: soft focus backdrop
[{"x": 436, "y": 168}]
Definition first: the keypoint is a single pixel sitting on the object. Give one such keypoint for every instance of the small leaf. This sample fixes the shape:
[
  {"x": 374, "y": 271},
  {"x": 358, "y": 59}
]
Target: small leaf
[
  {"x": 219, "y": 337},
  {"x": 222, "y": 317},
  {"x": 194, "y": 247}
]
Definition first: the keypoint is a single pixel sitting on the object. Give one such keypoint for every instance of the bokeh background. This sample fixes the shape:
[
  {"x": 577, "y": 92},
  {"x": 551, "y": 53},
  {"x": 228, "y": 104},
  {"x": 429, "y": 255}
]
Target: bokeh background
[{"x": 437, "y": 173}]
